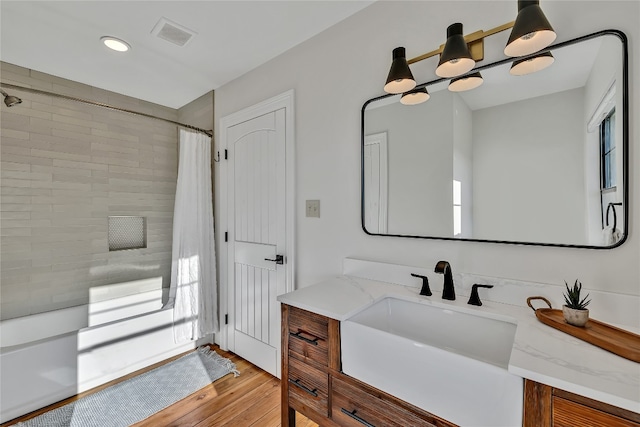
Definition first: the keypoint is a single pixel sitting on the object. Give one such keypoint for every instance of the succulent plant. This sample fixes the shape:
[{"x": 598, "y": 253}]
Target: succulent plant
[{"x": 572, "y": 297}]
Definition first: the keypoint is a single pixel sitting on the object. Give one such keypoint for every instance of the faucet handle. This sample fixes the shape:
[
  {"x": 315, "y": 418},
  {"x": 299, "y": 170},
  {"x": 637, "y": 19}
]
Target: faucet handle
[
  {"x": 426, "y": 291},
  {"x": 474, "y": 299}
]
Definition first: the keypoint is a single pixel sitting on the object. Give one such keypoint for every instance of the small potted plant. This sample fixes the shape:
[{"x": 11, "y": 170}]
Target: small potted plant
[{"x": 575, "y": 310}]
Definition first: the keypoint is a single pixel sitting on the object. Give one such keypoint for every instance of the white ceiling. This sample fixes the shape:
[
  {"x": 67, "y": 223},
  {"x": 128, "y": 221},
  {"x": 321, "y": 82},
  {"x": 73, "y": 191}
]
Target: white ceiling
[
  {"x": 233, "y": 37},
  {"x": 570, "y": 70}
]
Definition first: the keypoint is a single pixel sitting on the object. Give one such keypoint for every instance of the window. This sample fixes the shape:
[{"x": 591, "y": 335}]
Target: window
[
  {"x": 608, "y": 152},
  {"x": 457, "y": 208}
]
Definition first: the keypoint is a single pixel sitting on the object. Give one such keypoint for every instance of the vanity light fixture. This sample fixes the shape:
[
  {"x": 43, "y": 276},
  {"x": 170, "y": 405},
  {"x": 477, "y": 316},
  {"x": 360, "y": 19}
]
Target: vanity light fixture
[
  {"x": 468, "y": 82},
  {"x": 531, "y": 31},
  {"x": 415, "y": 96},
  {"x": 536, "y": 63},
  {"x": 400, "y": 78},
  {"x": 115, "y": 43},
  {"x": 455, "y": 58}
]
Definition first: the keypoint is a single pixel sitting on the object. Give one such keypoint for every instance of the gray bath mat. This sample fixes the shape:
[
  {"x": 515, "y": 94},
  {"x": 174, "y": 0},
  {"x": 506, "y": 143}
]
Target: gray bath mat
[{"x": 137, "y": 398}]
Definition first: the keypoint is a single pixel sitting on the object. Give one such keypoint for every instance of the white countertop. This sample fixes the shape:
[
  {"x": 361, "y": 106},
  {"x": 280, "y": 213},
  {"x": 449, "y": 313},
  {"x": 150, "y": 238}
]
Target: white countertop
[{"x": 540, "y": 353}]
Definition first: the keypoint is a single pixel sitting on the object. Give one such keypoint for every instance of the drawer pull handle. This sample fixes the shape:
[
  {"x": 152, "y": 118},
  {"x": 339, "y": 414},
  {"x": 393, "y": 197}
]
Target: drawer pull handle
[
  {"x": 310, "y": 341},
  {"x": 355, "y": 417},
  {"x": 308, "y": 390}
]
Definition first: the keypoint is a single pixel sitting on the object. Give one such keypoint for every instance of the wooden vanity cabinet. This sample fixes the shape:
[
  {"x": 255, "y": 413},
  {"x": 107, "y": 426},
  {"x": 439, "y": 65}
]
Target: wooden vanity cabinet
[
  {"x": 313, "y": 385},
  {"x": 305, "y": 369},
  {"x": 546, "y": 406},
  {"x": 356, "y": 404}
]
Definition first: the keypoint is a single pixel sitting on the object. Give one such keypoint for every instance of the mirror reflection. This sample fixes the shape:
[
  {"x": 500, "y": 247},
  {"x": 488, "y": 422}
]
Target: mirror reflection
[{"x": 535, "y": 158}]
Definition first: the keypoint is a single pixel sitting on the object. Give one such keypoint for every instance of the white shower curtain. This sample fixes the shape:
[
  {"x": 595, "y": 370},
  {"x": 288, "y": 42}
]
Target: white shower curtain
[{"x": 193, "y": 262}]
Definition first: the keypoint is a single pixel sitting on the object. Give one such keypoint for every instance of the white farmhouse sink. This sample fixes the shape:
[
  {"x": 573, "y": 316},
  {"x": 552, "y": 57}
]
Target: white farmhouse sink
[{"x": 450, "y": 363}]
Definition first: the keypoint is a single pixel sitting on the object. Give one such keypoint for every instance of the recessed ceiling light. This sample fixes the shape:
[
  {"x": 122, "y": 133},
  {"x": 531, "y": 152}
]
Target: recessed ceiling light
[{"x": 115, "y": 44}]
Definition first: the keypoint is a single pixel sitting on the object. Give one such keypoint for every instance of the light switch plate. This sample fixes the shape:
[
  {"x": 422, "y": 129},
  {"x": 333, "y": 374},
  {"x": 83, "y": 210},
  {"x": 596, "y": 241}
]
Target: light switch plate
[{"x": 313, "y": 208}]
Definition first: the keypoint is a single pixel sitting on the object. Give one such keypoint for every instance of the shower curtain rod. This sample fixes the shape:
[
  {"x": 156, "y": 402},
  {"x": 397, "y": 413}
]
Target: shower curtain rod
[{"x": 100, "y": 104}]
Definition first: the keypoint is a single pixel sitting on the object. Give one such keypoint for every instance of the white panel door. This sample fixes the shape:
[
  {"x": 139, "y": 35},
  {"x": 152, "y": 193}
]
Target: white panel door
[
  {"x": 257, "y": 237},
  {"x": 375, "y": 183}
]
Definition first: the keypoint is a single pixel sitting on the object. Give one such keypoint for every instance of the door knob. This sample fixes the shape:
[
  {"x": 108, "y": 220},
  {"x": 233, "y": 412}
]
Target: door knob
[{"x": 279, "y": 259}]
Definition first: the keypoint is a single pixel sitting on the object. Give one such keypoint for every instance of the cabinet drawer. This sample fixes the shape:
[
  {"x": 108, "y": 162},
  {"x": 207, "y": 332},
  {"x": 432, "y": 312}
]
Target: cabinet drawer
[
  {"x": 308, "y": 335},
  {"x": 352, "y": 406},
  {"x": 308, "y": 386},
  {"x": 569, "y": 414}
]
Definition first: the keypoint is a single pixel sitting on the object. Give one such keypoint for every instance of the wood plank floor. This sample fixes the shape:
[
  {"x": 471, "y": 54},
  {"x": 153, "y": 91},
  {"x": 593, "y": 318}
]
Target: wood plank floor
[{"x": 252, "y": 399}]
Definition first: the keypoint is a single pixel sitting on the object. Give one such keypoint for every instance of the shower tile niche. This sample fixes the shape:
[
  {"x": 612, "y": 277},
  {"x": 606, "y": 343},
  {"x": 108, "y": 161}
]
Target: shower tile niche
[{"x": 127, "y": 232}]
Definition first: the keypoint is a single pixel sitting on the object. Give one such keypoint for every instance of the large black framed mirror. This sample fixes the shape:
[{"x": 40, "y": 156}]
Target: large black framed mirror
[{"x": 538, "y": 159}]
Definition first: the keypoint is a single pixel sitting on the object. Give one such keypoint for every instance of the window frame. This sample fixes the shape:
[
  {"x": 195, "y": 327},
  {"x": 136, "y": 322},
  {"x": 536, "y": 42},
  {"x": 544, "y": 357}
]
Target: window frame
[{"x": 608, "y": 168}]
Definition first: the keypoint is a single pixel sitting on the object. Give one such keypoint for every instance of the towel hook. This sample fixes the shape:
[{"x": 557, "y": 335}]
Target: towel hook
[{"x": 615, "y": 216}]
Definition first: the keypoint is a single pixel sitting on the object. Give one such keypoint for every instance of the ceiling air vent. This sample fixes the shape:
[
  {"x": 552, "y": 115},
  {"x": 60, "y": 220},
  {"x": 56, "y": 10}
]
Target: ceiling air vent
[{"x": 172, "y": 32}]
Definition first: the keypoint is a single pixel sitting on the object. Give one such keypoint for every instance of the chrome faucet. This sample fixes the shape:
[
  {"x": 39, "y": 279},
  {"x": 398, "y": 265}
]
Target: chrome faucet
[{"x": 448, "y": 292}]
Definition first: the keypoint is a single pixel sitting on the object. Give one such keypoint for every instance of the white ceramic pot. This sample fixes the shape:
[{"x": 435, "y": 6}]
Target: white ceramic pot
[{"x": 575, "y": 317}]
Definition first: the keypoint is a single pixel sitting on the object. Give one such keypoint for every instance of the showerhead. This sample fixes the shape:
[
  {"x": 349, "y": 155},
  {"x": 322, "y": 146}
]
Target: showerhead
[{"x": 10, "y": 100}]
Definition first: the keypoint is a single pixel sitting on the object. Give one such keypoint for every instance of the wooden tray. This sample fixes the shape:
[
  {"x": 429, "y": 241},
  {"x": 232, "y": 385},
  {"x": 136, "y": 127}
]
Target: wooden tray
[{"x": 618, "y": 341}]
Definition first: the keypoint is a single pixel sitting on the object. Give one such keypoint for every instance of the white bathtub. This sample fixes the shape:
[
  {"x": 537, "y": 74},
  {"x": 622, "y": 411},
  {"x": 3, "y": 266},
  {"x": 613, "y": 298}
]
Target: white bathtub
[{"x": 50, "y": 356}]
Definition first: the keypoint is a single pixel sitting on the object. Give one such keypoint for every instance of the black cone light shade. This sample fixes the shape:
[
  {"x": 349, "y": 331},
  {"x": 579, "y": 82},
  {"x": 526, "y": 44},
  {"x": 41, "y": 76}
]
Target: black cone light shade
[
  {"x": 455, "y": 58},
  {"x": 400, "y": 79},
  {"x": 531, "y": 31},
  {"x": 460, "y": 84},
  {"x": 522, "y": 67},
  {"x": 415, "y": 96}
]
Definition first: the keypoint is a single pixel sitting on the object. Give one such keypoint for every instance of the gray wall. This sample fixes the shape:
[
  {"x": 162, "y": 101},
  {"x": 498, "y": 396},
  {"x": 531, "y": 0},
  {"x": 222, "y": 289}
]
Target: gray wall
[
  {"x": 328, "y": 101},
  {"x": 66, "y": 167},
  {"x": 519, "y": 174},
  {"x": 198, "y": 112}
]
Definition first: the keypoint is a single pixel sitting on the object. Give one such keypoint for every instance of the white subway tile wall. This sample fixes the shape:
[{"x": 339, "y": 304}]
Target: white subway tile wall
[{"x": 65, "y": 168}]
